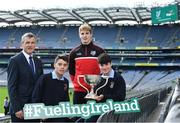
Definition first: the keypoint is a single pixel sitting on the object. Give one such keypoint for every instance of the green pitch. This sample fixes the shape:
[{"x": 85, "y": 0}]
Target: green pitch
[{"x": 3, "y": 94}]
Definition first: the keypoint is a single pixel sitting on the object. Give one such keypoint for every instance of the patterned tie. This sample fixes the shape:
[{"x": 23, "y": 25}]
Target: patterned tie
[{"x": 31, "y": 64}]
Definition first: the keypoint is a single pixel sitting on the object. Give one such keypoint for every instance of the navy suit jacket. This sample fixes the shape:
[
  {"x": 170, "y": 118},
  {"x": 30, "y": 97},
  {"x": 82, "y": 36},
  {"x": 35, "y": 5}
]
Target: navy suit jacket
[{"x": 21, "y": 80}]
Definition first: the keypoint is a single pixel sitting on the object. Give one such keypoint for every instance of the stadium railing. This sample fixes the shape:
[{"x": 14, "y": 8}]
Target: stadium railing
[
  {"x": 174, "y": 106},
  {"x": 173, "y": 115}
]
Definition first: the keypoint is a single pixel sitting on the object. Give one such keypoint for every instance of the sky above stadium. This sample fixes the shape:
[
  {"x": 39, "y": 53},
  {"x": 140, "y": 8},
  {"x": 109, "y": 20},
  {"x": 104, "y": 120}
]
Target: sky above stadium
[{"x": 44, "y": 4}]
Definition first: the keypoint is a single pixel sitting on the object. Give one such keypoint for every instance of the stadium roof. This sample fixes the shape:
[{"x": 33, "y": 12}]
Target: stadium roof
[
  {"x": 58, "y": 15},
  {"x": 79, "y": 11}
]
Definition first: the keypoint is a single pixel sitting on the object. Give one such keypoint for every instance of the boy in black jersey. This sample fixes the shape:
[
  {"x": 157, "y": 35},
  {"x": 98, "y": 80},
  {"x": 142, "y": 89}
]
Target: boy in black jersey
[{"x": 53, "y": 87}]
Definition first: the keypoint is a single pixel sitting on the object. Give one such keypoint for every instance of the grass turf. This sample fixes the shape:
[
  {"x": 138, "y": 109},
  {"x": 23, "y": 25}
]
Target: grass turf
[{"x": 3, "y": 94}]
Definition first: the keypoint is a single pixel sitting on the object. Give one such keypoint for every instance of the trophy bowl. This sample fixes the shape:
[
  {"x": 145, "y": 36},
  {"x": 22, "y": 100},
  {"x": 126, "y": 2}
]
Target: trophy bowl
[{"x": 92, "y": 80}]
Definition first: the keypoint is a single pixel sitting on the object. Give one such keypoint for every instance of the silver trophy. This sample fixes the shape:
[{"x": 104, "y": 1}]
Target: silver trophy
[{"x": 92, "y": 80}]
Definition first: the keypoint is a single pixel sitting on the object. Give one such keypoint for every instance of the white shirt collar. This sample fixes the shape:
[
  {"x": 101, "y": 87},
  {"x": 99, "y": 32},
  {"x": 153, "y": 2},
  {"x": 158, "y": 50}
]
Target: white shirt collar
[
  {"x": 26, "y": 55},
  {"x": 110, "y": 74},
  {"x": 54, "y": 76}
]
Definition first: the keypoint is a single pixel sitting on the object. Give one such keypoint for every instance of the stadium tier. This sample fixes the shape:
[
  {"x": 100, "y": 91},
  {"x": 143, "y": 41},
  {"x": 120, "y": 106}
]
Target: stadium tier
[
  {"x": 124, "y": 37},
  {"x": 146, "y": 56}
]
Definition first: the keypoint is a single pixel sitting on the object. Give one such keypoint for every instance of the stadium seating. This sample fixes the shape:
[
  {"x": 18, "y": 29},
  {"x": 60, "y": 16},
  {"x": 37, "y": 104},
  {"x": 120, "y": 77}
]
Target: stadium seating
[{"x": 110, "y": 37}]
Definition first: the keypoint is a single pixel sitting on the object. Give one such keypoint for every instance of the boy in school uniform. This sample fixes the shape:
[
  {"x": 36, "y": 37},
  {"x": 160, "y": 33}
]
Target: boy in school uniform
[
  {"x": 115, "y": 88},
  {"x": 53, "y": 87}
]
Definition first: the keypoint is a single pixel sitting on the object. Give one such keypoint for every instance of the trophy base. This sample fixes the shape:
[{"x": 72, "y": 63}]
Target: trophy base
[{"x": 90, "y": 97}]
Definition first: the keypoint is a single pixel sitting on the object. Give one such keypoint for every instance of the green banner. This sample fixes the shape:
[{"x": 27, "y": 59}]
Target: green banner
[
  {"x": 164, "y": 14},
  {"x": 65, "y": 109}
]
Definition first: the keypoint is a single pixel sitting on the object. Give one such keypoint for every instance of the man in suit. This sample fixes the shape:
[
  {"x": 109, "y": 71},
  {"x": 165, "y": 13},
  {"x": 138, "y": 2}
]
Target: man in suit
[{"x": 23, "y": 71}]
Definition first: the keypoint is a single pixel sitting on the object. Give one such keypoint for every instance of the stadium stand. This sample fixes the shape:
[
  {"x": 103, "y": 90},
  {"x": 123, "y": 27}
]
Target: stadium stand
[
  {"x": 127, "y": 37},
  {"x": 3, "y": 76}
]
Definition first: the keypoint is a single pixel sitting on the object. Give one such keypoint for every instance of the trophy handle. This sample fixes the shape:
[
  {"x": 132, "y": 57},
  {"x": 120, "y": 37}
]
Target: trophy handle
[
  {"x": 80, "y": 76},
  {"x": 107, "y": 78}
]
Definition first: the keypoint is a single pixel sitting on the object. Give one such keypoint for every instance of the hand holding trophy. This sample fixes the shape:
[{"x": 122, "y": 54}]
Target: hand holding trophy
[{"x": 92, "y": 80}]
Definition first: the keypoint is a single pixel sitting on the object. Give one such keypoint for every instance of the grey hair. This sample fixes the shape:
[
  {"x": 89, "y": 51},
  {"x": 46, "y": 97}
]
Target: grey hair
[{"x": 27, "y": 35}]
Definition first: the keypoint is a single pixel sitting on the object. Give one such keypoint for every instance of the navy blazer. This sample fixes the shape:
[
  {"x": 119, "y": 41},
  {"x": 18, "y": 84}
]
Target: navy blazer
[
  {"x": 21, "y": 80},
  {"x": 115, "y": 88}
]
